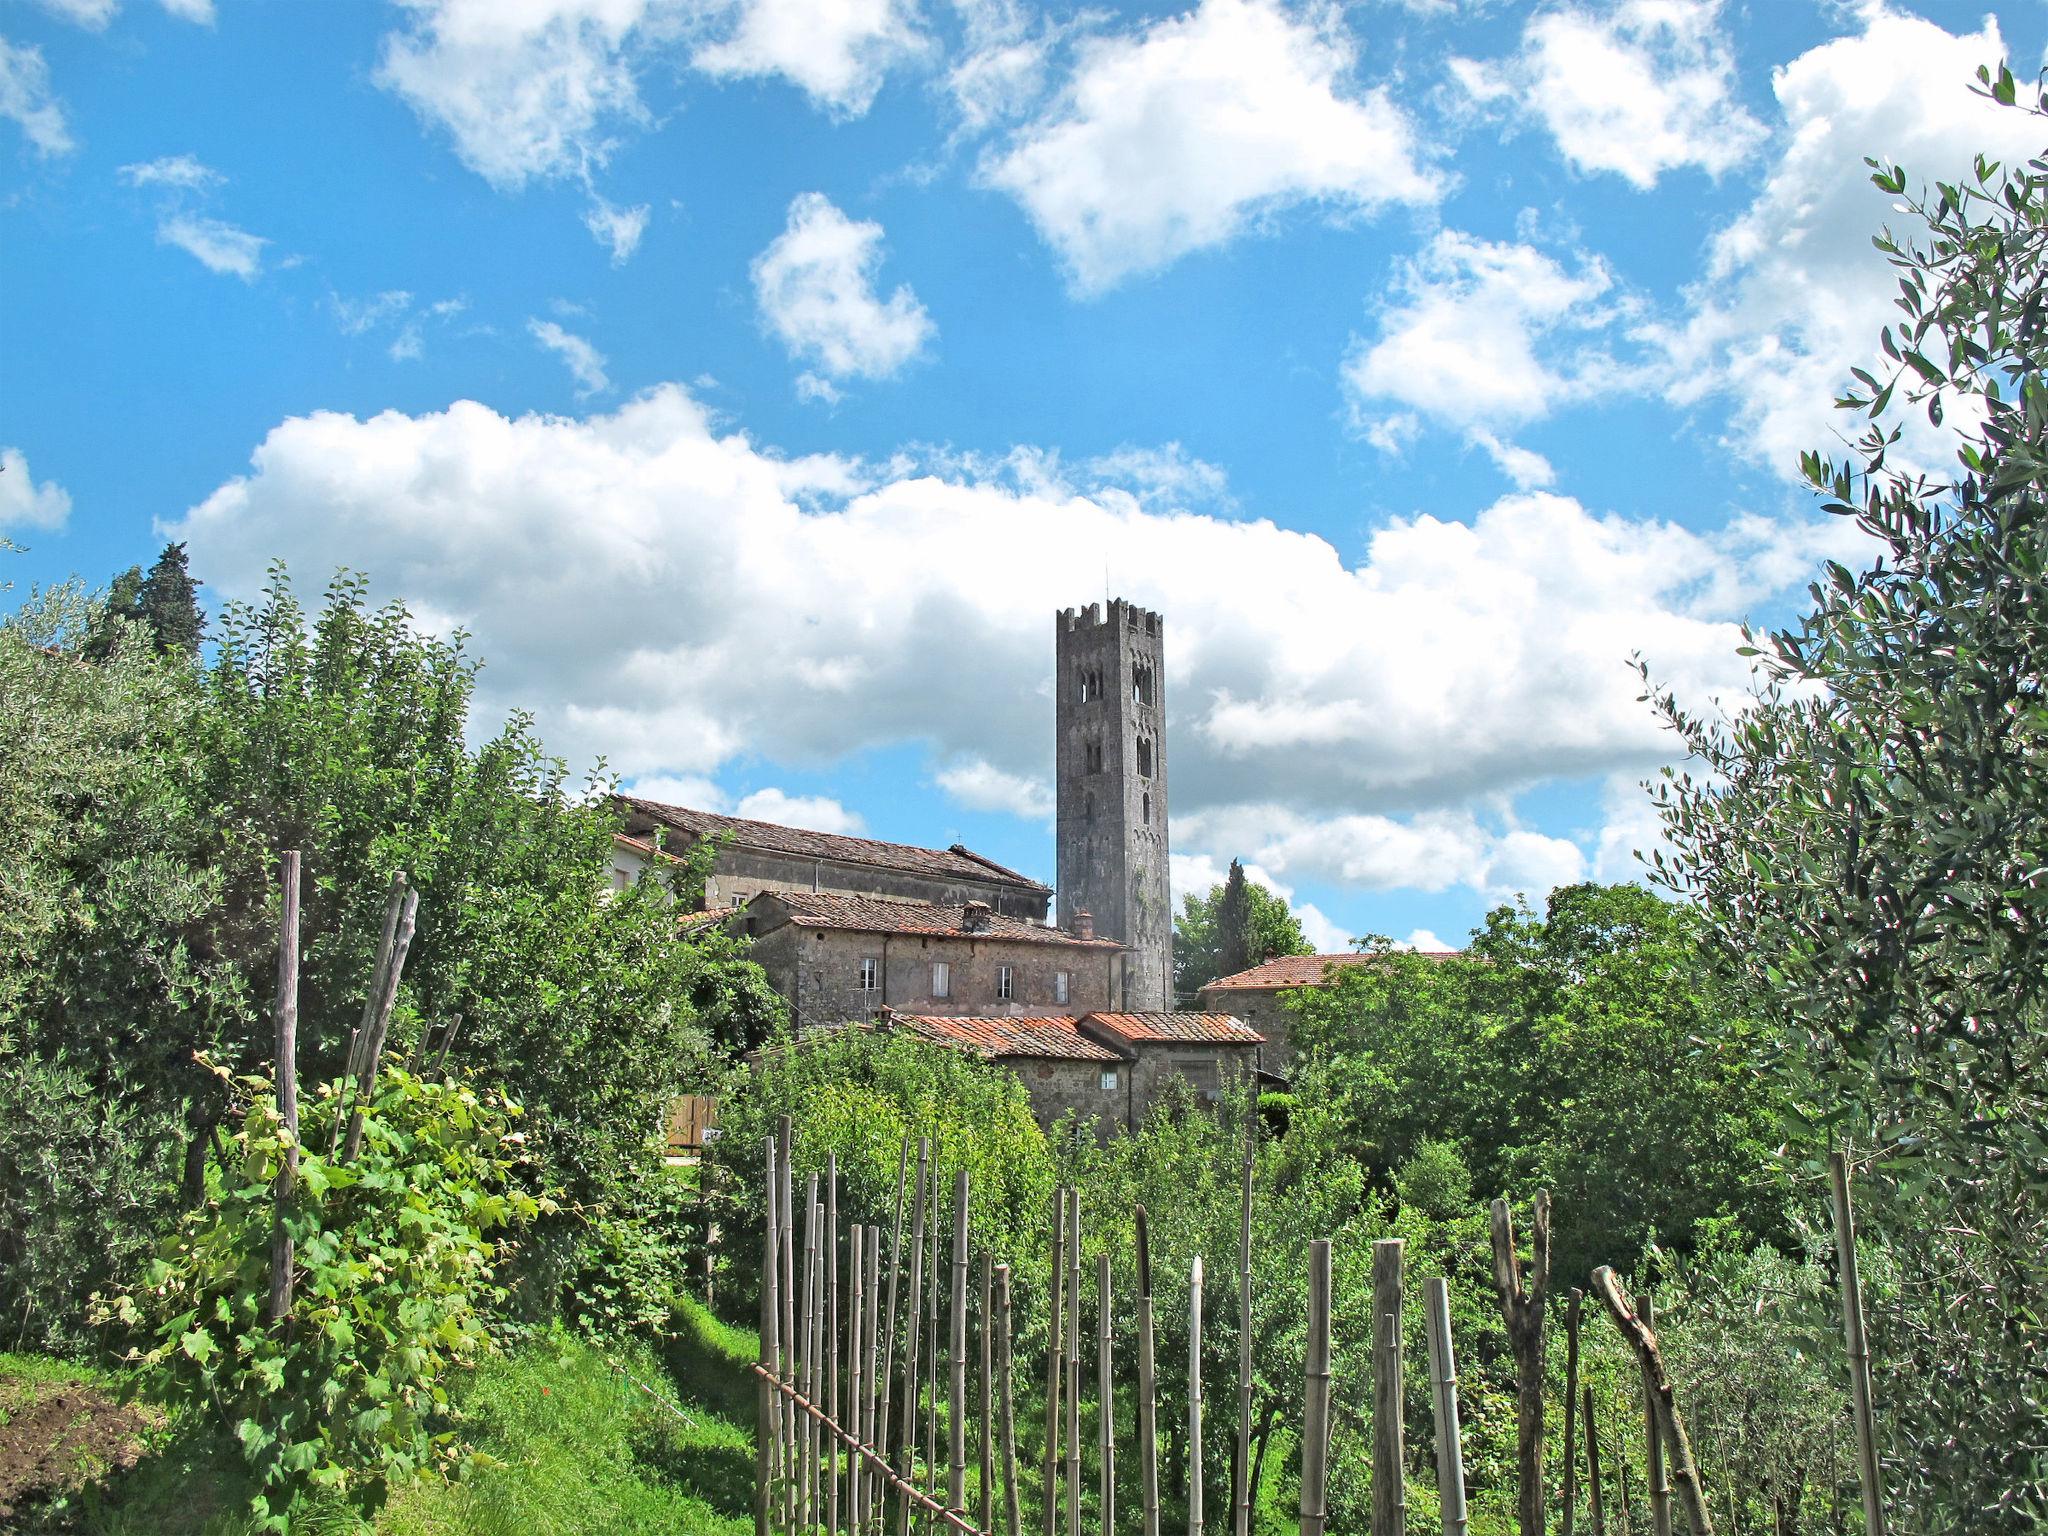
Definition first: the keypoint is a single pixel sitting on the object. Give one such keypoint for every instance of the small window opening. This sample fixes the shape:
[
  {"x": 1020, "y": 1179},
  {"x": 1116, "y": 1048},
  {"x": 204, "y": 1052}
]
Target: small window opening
[
  {"x": 1059, "y": 986},
  {"x": 870, "y": 975},
  {"x": 1088, "y": 810},
  {"x": 1094, "y": 757},
  {"x": 1005, "y": 985},
  {"x": 1144, "y": 757},
  {"x": 942, "y": 979},
  {"x": 1109, "y": 1079},
  {"x": 1148, "y": 808}
]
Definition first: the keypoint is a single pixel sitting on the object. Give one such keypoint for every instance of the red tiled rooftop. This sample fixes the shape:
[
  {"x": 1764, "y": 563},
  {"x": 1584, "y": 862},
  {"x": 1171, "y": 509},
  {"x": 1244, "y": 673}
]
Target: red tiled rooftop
[
  {"x": 879, "y": 914},
  {"x": 1054, "y": 1036},
  {"x": 956, "y": 862},
  {"x": 1181, "y": 1028},
  {"x": 1305, "y": 970}
]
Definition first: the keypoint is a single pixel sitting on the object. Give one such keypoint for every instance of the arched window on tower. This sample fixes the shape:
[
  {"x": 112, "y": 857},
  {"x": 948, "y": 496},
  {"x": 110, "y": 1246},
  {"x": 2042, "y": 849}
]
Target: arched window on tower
[
  {"x": 1144, "y": 757},
  {"x": 1093, "y": 757},
  {"x": 1141, "y": 684},
  {"x": 1088, "y": 810}
]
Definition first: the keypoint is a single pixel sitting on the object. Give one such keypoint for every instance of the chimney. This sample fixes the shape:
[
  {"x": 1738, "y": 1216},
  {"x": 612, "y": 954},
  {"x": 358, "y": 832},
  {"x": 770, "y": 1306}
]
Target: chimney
[
  {"x": 974, "y": 917},
  {"x": 1084, "y": 925}
]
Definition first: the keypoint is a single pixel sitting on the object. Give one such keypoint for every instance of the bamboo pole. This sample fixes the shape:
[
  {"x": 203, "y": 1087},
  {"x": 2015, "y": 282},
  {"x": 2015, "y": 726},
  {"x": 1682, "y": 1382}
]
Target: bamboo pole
[
  {"x": 832, "y": 1471},
  {"x": 956, "y": 1387},
  {"x": 1869, "y": 1472},
  {"x": 371, "y": 1048},
  {"x": 1389, "y": 1493},
  {"x": 1195, "y": 1398},
  {"x": 1573, "y": 1306},
  {"x": 807, "y": 1364},
  {"x": 1624, "y": 1507},
  {"x": 787, "y": 1371},
  {"x": 1595, "y": 1495},
  {"x": 931, "y": 1369},
  {"x": 987, "y": 1484},
  {"x": 285, "y": 1019},
  {"x": 1443, "y": 1384},
  {"x": 1148, "y": 1387},
  {"x": 1051, "y": 1513},
  {"x": 394, "y": 904},
  {"x": 1315, "y": 1417},
  {"x": 1241, "y": 1454},
  {"x": 856, "y": 1352},
  {"x": 1105, "y": 1401},
  {"x": 768, "y": 1404},
  {"x": 886, "y": 1373},
  {"x": 906, "y": 1448},
  {"x": 1653, "y": 1444},
  {"x": 1684, "y": 1471},
  {"x": 1013, "y": 1514},
  {"x": 1074, "y": 1364}
]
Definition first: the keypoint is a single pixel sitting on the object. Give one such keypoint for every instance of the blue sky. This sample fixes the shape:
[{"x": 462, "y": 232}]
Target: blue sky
[{"x": 754, "y": 378}]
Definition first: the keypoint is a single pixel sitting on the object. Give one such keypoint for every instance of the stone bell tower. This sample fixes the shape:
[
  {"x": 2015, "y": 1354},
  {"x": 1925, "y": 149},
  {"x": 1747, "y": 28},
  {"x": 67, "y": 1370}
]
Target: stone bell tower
[{"x": 1111, "y": 768}]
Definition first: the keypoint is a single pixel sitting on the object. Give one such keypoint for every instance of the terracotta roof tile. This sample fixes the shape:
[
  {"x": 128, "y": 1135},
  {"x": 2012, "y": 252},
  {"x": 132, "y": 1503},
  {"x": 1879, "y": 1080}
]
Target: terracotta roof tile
[
  {"x": 1182, "y": 1028},
  {"x": 956, "y": 862},
  {"x": 878, "y": 914},
  {"x": 1304, "y": 970},
  {"x": 1052, "y": 1037}
]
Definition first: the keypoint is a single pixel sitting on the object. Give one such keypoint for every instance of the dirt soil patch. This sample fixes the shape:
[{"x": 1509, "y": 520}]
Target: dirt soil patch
[{"x": 58, "y": 1436}]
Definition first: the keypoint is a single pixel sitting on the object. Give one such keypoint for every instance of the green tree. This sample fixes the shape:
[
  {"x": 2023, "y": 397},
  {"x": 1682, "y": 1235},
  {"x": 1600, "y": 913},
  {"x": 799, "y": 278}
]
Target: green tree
[
  {"x": 1868, "y": 842},
  {"x": 168, "y": 602},
  {"x": 121, "y": 608},
  {"x": 1252, "y": 930}
]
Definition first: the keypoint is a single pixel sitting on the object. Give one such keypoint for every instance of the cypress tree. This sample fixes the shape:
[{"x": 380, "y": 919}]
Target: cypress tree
[
  {"x": 1237, "y": 946},
  {"x": 124, "y": 601},
  {"x": 169, "y": 599}
]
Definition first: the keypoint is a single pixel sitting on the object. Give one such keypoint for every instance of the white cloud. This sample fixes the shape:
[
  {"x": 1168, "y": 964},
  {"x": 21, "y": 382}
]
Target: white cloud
[
  {"x": 1424, "y": 940},
  {"x": 355, "y": 316},
  {"x": 23, "y": 503},
  {"x": 1000, "y": 69},
  {"x": 1793, "y": 295},
  {"x": 1176, "y": 138},
  {"x": 837, "y": 52},
  {"x": 27, "y": 101},
  {"x": 1481, "y": 335},
  {"x": 619, "y": 228},
  {"x": 1643, "y": 88},
  {"x": 1528, "y": 469},
  {"x": 199, "y": 12},
  {"x": 690, "y": 791},
  {"x": 93, "y": 15},
  {"x": 1167, "y": 475},
  {"x": 980, "y": 785},
  {"x": 584, "y": 362},
  {"x": 818, "y": 813},
  {"x": 671, "y": 595},
  {"x": 815, "y": 284},
  {"x": 218, "y": 245},
  {"x": 182, "y": 172}
]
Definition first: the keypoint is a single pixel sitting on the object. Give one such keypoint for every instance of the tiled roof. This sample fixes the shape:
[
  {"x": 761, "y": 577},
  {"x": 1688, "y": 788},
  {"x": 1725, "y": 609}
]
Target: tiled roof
[
  {"x": 1304, "y": 970},
  {"x": 1052, "y": 1037},
  {"x": 642, "y": 846},
  {"x": 878, "y": 914},
  {"x": 1176, "y": 1028},
  {"x": 956, "y": 862}
]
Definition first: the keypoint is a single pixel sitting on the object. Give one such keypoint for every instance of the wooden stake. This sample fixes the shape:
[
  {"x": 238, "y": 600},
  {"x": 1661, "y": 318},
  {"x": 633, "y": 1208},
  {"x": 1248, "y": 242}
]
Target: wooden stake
[
  {"x": 807, "y": 1364},
  {"x": 1870, "y": 1474},
  {"x": 285, "y": 1018},
  {"x": 832, "y": 1473},
  {"x": 1105, "y": 1402},
  {"x": 1653, "y": 1446},
  {"x": 906, "y": 1448},
  {"x": 787, "y": 1370},
  {"x": 1051, "y": 1513},
  {"x": 1389, "y": 1495},
  {"x": 931, "y": 1370},
  {"x": 1195, "y": 1398},
  {"x": 956, "y": 1386},
  {"x": 1315, "y": 1417},
  {"x": 887, "y": 1373},
  {"x": 1522, "y": 1302},
  {"x": 1013, "y": 1514},
  {"x": 1691, "y": 1498},
  {"x": 987, "y": 1484},
  {"x": 1572, "y": 1308},
  {"x": 768, "y": 1402},
  {"x": 1443, "y": 1384},
  {"x": 1148, "y": 1387},
  {"x": 1241, "y": 1455},
  {"x": 371, "y": 1047},
  {"x": 1074, "y": 1363},
  {"x": 1595, "y": 1495},
  {"x": 856, "y": 1353}
]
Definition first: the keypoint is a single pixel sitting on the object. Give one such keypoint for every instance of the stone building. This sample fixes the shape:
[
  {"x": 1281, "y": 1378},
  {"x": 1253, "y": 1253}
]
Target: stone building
[
  {"x": 840, "y": 958},
  {"x": 1260, "y": 996},
  {"x": 1110, "y": 771},
  {"x": 759, "y": 856},
  {"x": 1109, "y": 1066}
]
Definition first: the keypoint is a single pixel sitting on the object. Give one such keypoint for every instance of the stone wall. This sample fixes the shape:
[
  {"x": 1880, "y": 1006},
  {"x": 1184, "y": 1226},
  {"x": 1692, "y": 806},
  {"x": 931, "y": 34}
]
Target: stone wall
[
  {"x": 1057, "y": 1087},
  {"x": 1266, "y": 1010}
]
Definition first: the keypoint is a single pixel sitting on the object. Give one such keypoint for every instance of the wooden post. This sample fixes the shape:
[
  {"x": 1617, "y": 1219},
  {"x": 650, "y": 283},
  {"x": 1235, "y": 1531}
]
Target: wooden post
[
  {"x": 1315, "y": 1416},
  {"x": 906, "y": 1448},
  {"x": 931, "y": 1367},
  {"x": 370, "y": 1049},
  {"x": 807, "y": 1365},
  {"x": 1685, "y": 1473},
  {"x": 1051, "y": 1515},
  {"x": 887, "y": 1373},
  {"x": 768, "y": 1401},
  {"x": 1522, "y": 1301},
  {"x": 1623, "y": 1504},
  {"x": 394, "y": 904},
  {"x": 1595, "y": 1495},
  {"x": 872, "y": 1363},
  {"x": 1868, "y": 1470},
  {"x": 1653, "y": 1445},
  {"x": 785, "y": 1141},
  {"x": 1195, "y": 1398},
  {"x": 1148, "y": 1387},
  {"x": 856, "y": 1351},
  {"x": 1241, "y": 1453},
  {"x": 832, "y": 1344},
  {"x": 956, "y": 1386},
  {"x": 1389, "y": 1494},
  {"x": 1074, "y": 1363},
  {"x": 285, "y": 1019},
  {"x": 1105, "y": 1401},
  {"x": 1013, "y": 1514},
  {"x": 1443, "y": 1385},
  {"x": 1572, "y": 1308},
  {"x": 987, "y": 1484}
]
